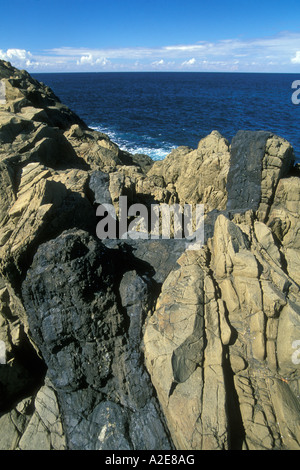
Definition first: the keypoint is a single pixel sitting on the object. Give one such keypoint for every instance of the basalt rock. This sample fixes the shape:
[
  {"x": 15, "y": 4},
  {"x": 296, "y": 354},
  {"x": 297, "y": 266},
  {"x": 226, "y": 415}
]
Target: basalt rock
[
  {"x": 89, "y": 334},
  {"x": 258, "y": 161},
  {"x": 142, "y": 343}
]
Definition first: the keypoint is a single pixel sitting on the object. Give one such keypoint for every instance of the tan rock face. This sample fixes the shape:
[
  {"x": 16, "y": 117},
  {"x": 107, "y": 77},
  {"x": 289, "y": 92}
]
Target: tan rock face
[
  {"x": 284, "y": 222},
  {"x": 183, "y": 353},
  {"x": 198, "y": 176},
  {"x": 247, "y": 324}
]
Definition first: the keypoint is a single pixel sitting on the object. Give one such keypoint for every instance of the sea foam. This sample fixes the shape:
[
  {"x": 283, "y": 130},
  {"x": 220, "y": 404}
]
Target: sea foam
[{"x": 127, "y": 142}]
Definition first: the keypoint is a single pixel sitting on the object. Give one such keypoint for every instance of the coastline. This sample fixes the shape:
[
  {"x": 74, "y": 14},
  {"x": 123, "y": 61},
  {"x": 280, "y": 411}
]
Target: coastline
[
  {"x": 142, "y": 345},
  {"x": 138, "y": 121}
]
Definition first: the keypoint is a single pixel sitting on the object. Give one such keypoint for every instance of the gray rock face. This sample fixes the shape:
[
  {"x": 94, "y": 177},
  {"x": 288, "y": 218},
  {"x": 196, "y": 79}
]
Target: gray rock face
[
  {"x": 89, "y": 334},
  {"x": 252, "y": 159},
  {"x": 244, "y": 176},
  {"x": 99, "y": 185}
]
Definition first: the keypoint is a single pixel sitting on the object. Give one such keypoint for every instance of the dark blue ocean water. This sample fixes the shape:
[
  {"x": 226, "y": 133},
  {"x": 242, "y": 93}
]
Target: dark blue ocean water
[{"x": 154, "y": 112}]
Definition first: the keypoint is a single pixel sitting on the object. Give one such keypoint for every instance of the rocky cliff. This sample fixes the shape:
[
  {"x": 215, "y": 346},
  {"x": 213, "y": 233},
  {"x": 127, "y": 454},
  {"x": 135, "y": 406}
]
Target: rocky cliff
[{"x": 142, "y": 344}]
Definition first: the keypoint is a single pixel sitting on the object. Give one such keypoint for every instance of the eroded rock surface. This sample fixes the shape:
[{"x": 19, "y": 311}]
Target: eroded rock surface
[
  {"x": 230, "y": 335},
  {"x": 89, "y": 334}
]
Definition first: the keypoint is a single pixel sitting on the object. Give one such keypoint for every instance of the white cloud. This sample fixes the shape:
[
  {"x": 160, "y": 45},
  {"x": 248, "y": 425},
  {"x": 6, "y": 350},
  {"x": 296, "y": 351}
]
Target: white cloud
[
  {"x": 89, "y": 59},
  {"x": 85, "y": 59},
  {"x": 188, "y": 63},
  {"x": 15, "y": 54},
  {"x": 185, "y": 48},
  {"x": 296, "y": 59},
  {"x": 275, "y": 53},
  {"x": 224, "y": 53},
  {"x": 18, "y": 53},
  {"x": 103, "y": 61},
  {"x": 158, "y": 62},
  {"x": 19, "y": 58}
]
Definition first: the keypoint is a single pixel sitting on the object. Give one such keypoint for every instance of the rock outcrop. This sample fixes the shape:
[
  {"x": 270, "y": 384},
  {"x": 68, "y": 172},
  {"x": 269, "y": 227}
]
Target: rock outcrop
[
  {"x": 219, "y": 346},
  {"x": 144, "y": 344}
]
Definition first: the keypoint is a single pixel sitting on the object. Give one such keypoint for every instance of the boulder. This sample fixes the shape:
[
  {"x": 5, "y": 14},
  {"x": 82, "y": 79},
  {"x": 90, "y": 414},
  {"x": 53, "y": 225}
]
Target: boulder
[{"x": 89, "y": 340}]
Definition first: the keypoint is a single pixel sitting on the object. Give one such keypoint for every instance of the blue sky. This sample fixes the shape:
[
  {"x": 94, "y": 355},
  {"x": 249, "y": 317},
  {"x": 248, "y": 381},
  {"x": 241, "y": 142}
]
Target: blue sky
[{"x": 151, "y": 35}]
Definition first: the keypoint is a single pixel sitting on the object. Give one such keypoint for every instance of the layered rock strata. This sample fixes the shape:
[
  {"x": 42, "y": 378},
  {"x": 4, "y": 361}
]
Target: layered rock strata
[{"x": 142, "y": 344}]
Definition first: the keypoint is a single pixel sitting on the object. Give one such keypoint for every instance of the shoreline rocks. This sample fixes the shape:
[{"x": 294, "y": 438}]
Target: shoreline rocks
[{"x": 143, "y": 344}]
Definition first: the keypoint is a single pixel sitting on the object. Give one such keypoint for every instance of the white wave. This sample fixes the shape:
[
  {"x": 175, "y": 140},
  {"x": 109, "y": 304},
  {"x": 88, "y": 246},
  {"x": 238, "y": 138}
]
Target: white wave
[{"x": 153, "y": 152}]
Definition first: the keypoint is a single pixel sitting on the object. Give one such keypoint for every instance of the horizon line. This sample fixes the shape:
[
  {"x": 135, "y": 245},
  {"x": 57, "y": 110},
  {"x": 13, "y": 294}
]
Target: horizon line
[{"x": 163, "y": 71}]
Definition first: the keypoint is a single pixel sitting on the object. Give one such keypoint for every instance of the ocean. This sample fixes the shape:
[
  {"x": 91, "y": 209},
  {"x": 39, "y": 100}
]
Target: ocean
[{"x": 155, "y": 112}]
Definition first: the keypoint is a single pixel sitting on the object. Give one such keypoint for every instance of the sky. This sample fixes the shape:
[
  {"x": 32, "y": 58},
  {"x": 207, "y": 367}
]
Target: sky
[{"x": 151, "y": 35}]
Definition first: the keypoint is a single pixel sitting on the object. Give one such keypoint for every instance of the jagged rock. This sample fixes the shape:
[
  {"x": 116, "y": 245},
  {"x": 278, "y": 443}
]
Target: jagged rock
[
  {"x": 23, "y": 91},
  {"x": 6, "y": 192},
  {"x": 33, "y": 424},
  {"x": 13, "y": 424},
  {"x": 94, "y": 148},
  {"x": 101, "y": 153},
  {"x": 157, "y": 258},
  {"x": 44, "y": 206},
  {"x": 24, "y": 141},
  {"x": 210, "y": 162},
  {"x": 185, "y": 368},
  {"x": 285, "y": 224},
  {"x": 247, "y": 323},
  {"x": 44, "y": 431},
  {"x": 21, "y": 370}
]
